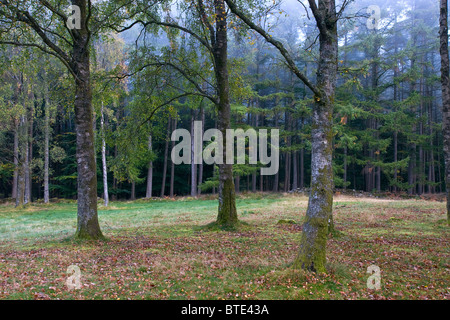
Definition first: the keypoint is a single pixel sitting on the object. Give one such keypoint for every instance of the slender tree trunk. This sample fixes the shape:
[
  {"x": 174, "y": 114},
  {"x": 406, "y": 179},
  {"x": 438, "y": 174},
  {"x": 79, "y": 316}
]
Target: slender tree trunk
[
  {"x": 261, "y": 178},
  {"x": 172, "y": 165},
  {"x": 302, "y": 162},
  {"x": 193, "y": 164},
  {"x": 445, "y": 82},
  {"x": 295, "y": 159},
  {"x": 276, "y": 181},
  {"x": 133, "y": 190},
  {"x": 114, "y": 186},
  {"x": 16, "y": 159},
  {"x": 319, "y": 219},
  {"x": 345, "y": 168},
  {"x": 200, "y": 166},
  {"x": 395, "y": 159},
  {"x": 26, "y": 165},
  {"x": 166, "y": 152},
  {"x": 22, "y": 132},
  {"x": 46, "y": 141},
  {"x": 29, "y": 175},
  {"x": 149, "y": 190},
  {"x": 255, "y": 124},
  {"x": 105, "y": 172}
]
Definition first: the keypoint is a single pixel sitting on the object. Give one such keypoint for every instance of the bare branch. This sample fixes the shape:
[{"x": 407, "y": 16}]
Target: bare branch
[{"x": 277, "y": 44}]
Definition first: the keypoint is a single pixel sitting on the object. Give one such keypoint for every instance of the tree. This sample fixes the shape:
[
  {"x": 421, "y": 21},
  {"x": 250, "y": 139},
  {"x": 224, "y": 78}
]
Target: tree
[
  {"x": 208, "y": 26},
  {"x": 70, "y": 44},
  {"x": 445, "y": 82},
  {"x": 319, "y": 218}
]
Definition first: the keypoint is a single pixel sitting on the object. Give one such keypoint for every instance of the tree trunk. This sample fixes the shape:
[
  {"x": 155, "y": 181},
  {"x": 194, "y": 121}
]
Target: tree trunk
[
  {"x": 87, "y": 224},
  {"x": 133, "y": 190},
  {"x": 276, "y": 181},
  {"x": 200, "y": 166},
  {"x": 172, "y": 165},
  {"x": 114, "y": 185},
  {"x": 29, "y": 173},
  {"x": 46, "y": 141},
  {"x": 16, "y": 160},
  {"x": 149, "y": 191},
  {"x": 319, "y": 220},
  {"x": 255, "y": 124},
  {"x": 22, "y": 152},
  {"x": 227, "y": 213},
  {"x": 166, "y": 152},
  {"x": 193, "y": 164},
  {"x": 445, "y": 82},
  {"x": 105, "y": 172},
  {"x": 395, "y": 159},
  {"x": 345, "y": 168},
  {"x": 302, "y": 162}
]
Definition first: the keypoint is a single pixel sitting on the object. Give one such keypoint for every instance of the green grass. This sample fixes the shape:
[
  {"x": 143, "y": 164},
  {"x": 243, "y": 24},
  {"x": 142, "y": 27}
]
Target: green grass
[{"x": 167, "y": 249}]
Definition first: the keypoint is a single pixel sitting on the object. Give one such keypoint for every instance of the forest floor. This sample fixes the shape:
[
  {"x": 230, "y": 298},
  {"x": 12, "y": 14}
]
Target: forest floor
[{"x": 159, "y": 249}]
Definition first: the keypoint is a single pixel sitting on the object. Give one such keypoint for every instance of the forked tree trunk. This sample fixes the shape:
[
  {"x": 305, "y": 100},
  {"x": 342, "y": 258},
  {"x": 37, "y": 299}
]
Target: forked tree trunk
[
  {"x": 445, "y": 81},
  {"x": 319, "y": 213}
]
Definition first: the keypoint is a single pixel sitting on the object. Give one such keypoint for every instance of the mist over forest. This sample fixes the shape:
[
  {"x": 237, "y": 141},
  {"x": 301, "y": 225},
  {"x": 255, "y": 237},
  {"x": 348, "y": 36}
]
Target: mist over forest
[{"x": 224, "y": 149}]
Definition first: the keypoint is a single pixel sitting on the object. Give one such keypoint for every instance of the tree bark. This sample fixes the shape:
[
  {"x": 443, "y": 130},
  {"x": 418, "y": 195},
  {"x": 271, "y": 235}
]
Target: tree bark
[
  {"x": 149, "y": 190},
  {"x": 172, "y": 165},
  {"x": 166, "y": 152},
  {"x": 319, "y": 220},
  {"x": 104, "y": 169},
  {"x": 87, "y": 224},
  {"x": 276, "y": 181},
  {"x": 200, "y": 166},
  {"x": 255, "y": 124},
  {"x": 29, "y": 172},
  {"x": 445, "y": 82},
  {"x": 227, "y": 213},
  {"x": 46, "y": 141},
  {"x": 133, "y": 190},
  {"x": 193, "y": 164},
  {"x": 22, "y": 153},
  {"x": 16, "y": 159}
]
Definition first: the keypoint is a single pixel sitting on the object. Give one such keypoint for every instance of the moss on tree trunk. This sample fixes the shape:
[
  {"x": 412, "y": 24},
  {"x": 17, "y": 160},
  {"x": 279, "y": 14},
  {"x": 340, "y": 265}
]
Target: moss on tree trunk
[
  {"x": 87, "y": 224},
  {"x": 319, "y": 219},
  {"x": 227, "y": 214}
]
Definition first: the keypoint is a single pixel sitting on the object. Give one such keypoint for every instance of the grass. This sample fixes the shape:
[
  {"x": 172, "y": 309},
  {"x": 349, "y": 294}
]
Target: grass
[{"x": 164, "y": 249}]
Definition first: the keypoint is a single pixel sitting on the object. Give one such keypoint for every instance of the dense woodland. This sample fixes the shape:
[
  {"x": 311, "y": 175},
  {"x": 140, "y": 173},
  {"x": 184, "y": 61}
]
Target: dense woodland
[{"x": 387, "y": 118}]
